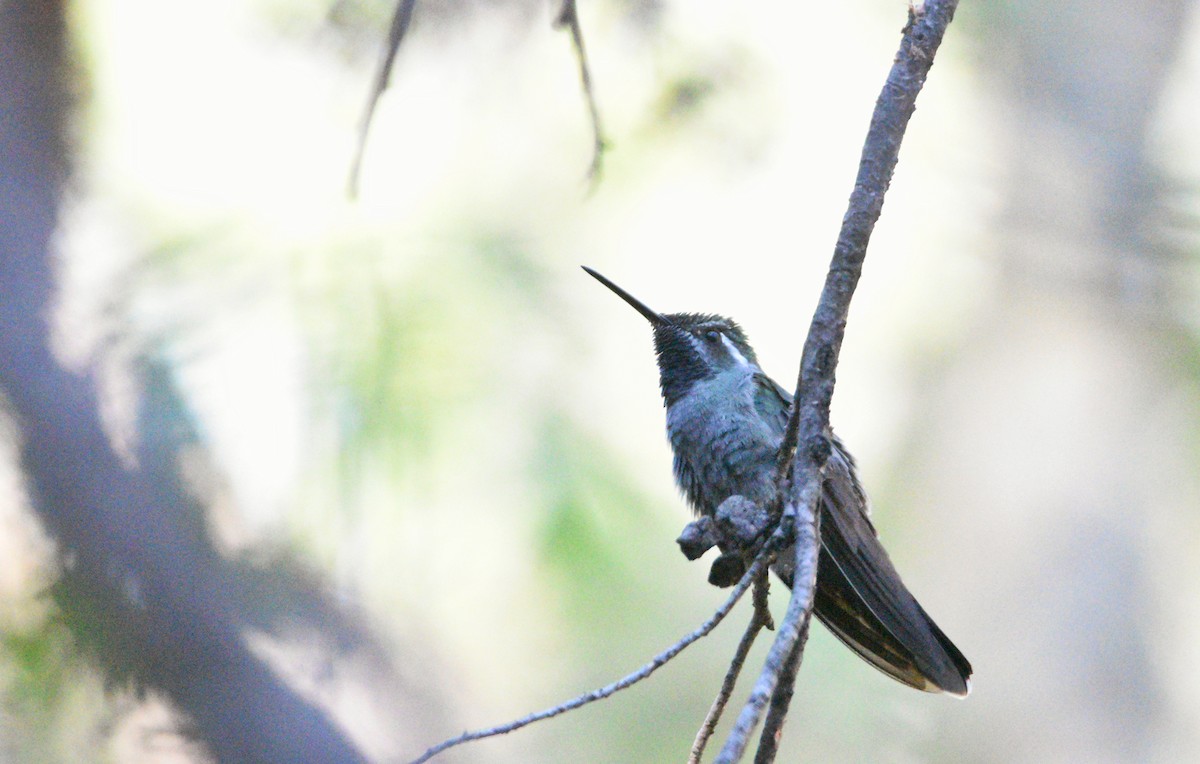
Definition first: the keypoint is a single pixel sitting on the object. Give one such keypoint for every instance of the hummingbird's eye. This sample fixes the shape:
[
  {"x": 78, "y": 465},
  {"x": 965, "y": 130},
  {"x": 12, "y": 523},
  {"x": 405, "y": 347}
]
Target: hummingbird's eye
[{"x": 712, "y": 335}]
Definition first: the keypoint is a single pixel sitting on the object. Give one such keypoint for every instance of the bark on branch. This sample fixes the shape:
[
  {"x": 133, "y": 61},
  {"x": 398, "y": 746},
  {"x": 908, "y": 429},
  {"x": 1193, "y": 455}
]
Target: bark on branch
[{"x": 809, "y": 424}]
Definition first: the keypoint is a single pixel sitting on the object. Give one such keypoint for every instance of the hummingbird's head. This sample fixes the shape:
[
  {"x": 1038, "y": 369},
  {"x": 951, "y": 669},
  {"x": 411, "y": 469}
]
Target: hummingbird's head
[{"x": 691, "y": 347}]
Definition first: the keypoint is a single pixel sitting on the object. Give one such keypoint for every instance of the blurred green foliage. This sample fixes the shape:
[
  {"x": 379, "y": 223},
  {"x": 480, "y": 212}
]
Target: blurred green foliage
[{"x": 417, "y": 404}]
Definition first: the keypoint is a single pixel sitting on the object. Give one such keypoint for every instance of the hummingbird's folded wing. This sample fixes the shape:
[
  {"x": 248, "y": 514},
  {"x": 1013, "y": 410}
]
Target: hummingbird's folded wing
[
  {"x": 863, "y": 601},
  {"x": 860, "y": 596}
]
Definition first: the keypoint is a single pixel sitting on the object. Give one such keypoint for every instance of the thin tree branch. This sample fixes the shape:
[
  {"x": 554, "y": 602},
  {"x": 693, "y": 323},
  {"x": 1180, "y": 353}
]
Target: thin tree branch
[
  {"x": 400, "y": 21},
  {"x": 757, "y": 568},
  {"x": 881, "y": 150},
  {"x": 762, "y": 608},
  {"x": 569, "y": 17},
  {"x": 806, "y": 520},
  {"x": 809, "y": 422},
  {"x": 760, "y": 618},
  {"x": 768, "y": 742}
]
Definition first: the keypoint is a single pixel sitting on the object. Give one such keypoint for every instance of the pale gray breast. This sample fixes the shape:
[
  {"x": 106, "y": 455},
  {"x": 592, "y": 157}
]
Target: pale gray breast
[{"x": 722, "y": 446}]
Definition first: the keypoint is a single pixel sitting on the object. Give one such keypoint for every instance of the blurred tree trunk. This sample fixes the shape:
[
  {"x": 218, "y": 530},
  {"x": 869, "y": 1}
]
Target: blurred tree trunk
[{"x": 142, "y": 583}]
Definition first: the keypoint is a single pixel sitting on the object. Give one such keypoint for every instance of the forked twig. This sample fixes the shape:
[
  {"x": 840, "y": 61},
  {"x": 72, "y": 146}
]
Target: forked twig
[
  {"x": 568, "y": 17},
  {"x": 757, "y": 568},
  {"x": 762, "y": 609},
  {"x": 761, "y": 617},
  {"x": 772, "y": 732},
  {"x": 400, "y": 22},
  {"x": 806, "y": 521},
  {"x": 806, "y": 444}
]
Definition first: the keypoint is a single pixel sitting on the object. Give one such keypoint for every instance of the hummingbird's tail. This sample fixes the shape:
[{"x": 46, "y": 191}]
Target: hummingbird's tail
[
  {"x": 898, "y": 637},
  {"x": 903, "y": 643},
  {"x": 862, "y": 600}
]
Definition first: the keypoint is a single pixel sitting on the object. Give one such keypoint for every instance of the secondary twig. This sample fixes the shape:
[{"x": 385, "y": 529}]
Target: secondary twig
[
  {"x": 805, "y": 519},
  {"x": 772, "y": 732},
  {"x": 762, "y": 588},
  {"x": 758, "y": 619},
  {"x": 808, "y": 426},
  {"x": 569, "y": 17},
  {"x": 400, "y": 21},
  {"x": 757, "y": 568}
]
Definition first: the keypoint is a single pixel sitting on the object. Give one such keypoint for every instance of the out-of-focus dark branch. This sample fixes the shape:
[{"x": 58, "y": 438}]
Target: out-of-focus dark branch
[
  {"x": 400, "y": 22},
  {"x": 569, "y": 17},
  {"x": 806, "y": 445},
  {"x": 141, "y": 585},
  {"x": 756, "y": 569}
]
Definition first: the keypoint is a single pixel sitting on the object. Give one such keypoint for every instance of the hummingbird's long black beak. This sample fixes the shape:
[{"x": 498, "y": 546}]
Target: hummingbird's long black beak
[{"x": 655, "y": 319}]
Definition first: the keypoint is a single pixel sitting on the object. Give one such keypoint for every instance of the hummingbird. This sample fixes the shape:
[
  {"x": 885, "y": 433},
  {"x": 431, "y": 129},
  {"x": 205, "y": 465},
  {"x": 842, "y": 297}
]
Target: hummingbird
[{"x": 725, "y": 422}]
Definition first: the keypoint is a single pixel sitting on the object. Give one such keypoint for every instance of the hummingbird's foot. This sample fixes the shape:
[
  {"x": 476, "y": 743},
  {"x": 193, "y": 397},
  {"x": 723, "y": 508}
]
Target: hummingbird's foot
[
  {"x": 697, "y": 538},
  {"x": 737, "y": 529},
  {"x": 727, "y": 570},
  {"x": 741, "y": 523},
  {"x": 701, "y": 535}
]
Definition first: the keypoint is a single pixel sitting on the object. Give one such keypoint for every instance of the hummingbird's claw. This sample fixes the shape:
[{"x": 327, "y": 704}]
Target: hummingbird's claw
[
  {"x": 697, "y": 538},
  {"x": 740, "y": 522},
  {"x": 727, "y": 570}
]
